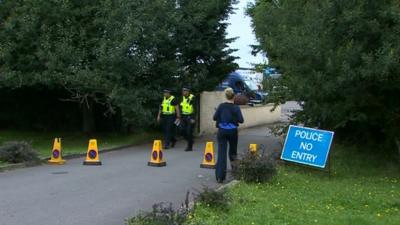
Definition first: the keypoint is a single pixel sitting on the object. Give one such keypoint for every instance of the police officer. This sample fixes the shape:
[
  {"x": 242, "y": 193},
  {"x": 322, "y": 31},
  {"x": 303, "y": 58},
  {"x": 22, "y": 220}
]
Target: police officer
[
  {"x": 188, "y": 117},
  {"x": 169, "y": 114}
]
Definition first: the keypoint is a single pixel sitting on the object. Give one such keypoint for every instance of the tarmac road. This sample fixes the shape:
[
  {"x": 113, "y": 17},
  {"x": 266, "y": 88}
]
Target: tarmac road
[{"x": 73, "y": 194}]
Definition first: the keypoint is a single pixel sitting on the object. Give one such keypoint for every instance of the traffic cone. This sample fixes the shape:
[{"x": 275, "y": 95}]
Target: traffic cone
[
  {"x": 56, "y": 156},
  {"x": 253, "y": 148},
  {"x": 156, "y": 158},
  {"x": 92, "y": 156},
  {"x": 208, "y": 159}
]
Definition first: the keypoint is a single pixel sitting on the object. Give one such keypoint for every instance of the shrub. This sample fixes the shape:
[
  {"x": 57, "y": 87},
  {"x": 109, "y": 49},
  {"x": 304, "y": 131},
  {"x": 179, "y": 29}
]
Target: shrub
[
  {"x": 254, "y": 168},
  {"x": 18, "y": 152},
  {"x": 213, "y": 198},
  {"x": 162, "y": 214},
  {"x": 339, "y": 60}
]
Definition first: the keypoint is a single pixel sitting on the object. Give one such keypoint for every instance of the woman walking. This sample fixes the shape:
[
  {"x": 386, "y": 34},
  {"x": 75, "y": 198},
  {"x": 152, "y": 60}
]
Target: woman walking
[{"x": 227, "y": 117}]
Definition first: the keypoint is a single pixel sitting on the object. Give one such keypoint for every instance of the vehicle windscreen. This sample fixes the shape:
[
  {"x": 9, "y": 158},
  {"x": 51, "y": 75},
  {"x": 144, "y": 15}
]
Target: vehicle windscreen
[{"x": 251, "y": 84}]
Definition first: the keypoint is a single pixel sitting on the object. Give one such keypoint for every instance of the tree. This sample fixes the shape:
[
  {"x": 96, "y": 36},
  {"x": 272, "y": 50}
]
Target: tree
[
  {"x": 58, "y": 44},
  {"x": 203, "y": 47},
  {"x": 340, "y": 60},
  {"x": 116, "y": 53}
]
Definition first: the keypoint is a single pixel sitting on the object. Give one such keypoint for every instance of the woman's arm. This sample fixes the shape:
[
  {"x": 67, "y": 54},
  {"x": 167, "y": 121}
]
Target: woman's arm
[
  {"x": 216, "y": 114},
  {"x": 239, "y": 115}
]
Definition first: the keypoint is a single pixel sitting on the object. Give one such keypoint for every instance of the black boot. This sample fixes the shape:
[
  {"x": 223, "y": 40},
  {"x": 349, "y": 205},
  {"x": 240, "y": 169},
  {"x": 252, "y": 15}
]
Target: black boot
[
  {"x": 189, "y": 147},
  {"x": 173, "y": 142}
]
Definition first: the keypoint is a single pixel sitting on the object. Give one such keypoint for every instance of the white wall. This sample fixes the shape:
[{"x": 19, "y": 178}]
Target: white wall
[{"x": 253, "y": 116}]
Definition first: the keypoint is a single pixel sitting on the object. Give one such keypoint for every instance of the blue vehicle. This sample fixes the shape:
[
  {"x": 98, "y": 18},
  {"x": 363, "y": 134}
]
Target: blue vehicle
[
  {"x": 270, "y": 72},
  {"x": 241, "y": 86}
]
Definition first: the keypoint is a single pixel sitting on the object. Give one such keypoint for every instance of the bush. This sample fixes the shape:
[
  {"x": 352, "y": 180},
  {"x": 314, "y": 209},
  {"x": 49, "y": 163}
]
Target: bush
[
  {"x": 254, "y": 168},
  {"x": 213, "y": 198},
  {"x": 339, "y": 59},
  {"x": 162, "y": 214},
  {"x": 18, "y": 152}
]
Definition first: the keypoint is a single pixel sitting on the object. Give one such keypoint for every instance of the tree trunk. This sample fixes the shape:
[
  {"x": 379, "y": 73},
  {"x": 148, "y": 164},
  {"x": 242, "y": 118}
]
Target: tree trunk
[{"x": 88, "y": 124}]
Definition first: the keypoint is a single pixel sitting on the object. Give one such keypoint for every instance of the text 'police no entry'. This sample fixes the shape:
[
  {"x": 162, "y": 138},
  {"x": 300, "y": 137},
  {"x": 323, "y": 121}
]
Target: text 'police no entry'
[{"x": 307, "y": 146}]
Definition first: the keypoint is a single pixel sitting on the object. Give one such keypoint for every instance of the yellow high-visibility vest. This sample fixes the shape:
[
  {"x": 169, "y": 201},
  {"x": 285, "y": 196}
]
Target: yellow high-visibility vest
[
  {"x": 187, "y": 108},
  {"x": 167, "y": 108}
]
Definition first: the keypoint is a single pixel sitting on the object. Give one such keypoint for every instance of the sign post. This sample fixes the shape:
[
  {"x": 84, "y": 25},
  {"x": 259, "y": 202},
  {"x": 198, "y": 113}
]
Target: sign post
[{"x": 307, "y": 146}]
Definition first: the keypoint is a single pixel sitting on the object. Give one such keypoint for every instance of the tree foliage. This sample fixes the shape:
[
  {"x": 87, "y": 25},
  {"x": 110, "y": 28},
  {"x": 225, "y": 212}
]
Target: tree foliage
[
  {"x": 202, "y": 45},
  {"x": 116, "y": 53},
  {"x": 340, "y": 60}
]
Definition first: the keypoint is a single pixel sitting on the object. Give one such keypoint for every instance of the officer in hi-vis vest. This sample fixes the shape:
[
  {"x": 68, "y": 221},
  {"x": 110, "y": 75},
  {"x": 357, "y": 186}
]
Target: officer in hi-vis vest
[
  {"x": 188, "y": 117},
  {"x": 169, "y": 115}
]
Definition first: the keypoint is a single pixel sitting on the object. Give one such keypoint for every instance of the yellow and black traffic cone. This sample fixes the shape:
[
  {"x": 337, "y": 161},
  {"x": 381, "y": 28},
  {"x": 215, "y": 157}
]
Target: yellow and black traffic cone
[
  {"x": 92, "y": 156},
  {"x": 56, "y": 156},
  {"x": 156, "y": 158},
  {"x": 253, "y": 148},
  {"x": 208, "y": 158}
]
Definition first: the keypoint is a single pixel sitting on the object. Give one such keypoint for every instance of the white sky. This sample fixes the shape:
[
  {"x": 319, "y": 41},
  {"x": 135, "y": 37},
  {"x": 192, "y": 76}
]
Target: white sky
[{"x": 240, "y": 27}]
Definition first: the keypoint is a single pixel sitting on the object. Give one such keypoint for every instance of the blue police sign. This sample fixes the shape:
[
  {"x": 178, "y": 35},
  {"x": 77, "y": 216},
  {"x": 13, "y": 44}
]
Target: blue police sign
[{"x": 307, "y": 146}]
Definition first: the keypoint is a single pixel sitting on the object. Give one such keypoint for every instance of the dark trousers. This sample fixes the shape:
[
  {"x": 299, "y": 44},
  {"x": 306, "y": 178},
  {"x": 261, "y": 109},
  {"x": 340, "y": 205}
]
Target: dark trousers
[
  {"x": 187, "y": 129},
  {"x": 168, "y": 126},
  {"x": 225, "y": 137}
]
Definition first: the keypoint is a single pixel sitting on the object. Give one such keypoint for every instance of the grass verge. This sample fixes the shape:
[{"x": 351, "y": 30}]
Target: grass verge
[
  {"x": 362, "y": 189},
  {"x": 73, "y": 143}
]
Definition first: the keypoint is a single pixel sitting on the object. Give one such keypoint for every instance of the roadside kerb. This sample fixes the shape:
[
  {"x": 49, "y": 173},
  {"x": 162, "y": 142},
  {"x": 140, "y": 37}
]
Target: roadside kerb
[
  {"x": 69, "y": 156},
  {"x": 221, "y": 188}
]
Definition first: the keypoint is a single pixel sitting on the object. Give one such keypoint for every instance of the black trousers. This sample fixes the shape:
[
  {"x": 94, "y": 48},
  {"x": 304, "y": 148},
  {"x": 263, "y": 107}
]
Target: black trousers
[
  {"x": 187, "y": 129},
  {"x": 224, "y": 137},
  {"x": 168, "y": 126}
]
